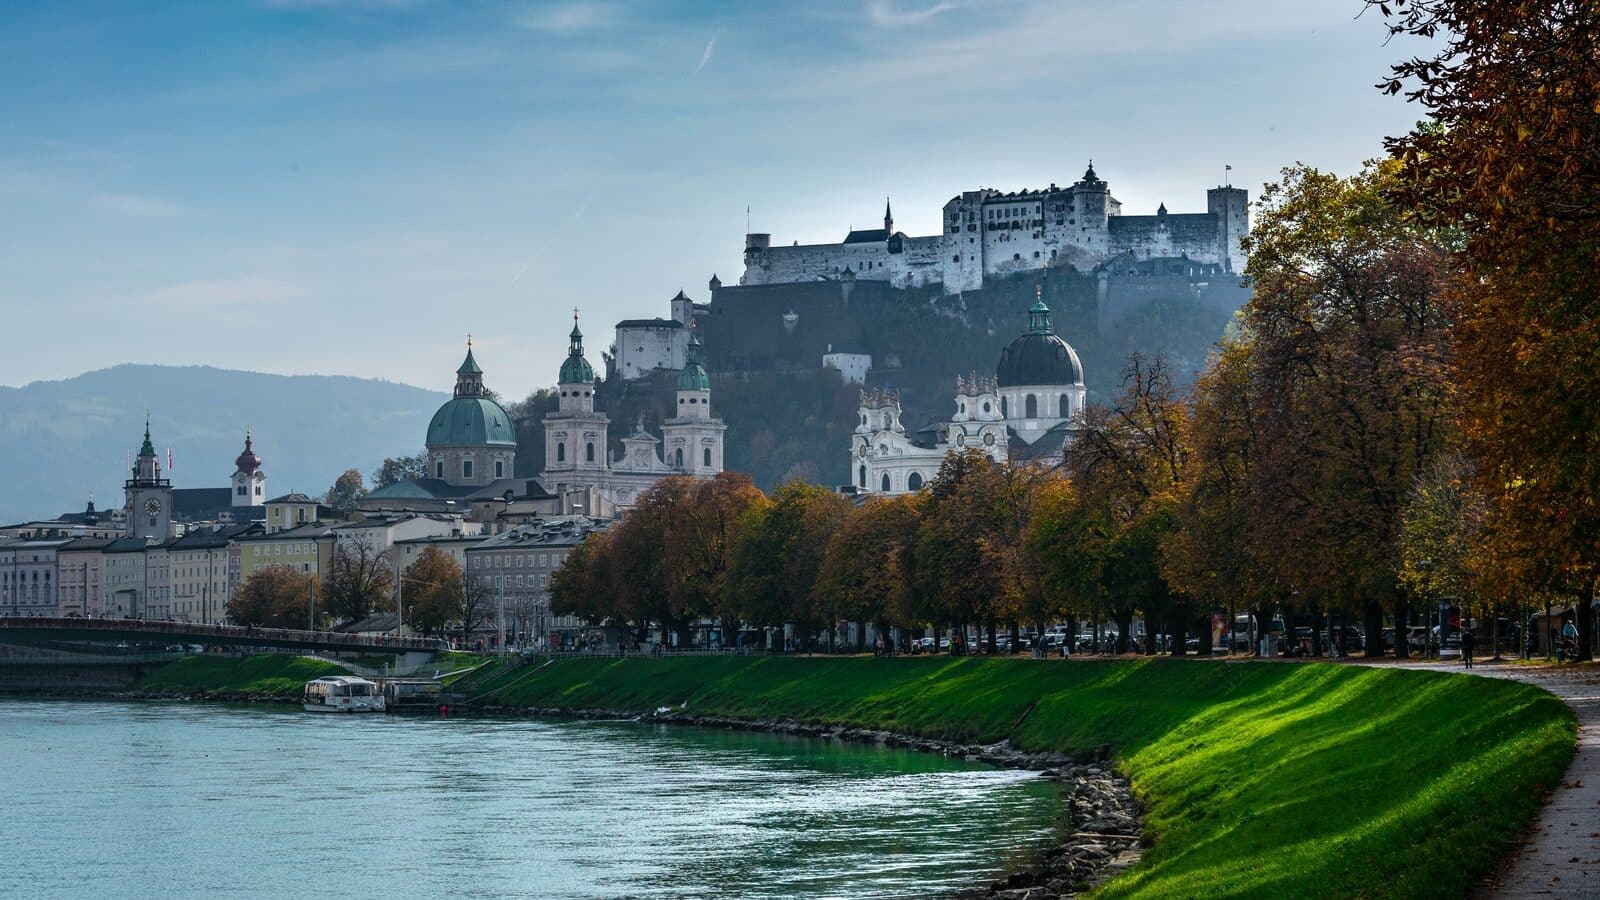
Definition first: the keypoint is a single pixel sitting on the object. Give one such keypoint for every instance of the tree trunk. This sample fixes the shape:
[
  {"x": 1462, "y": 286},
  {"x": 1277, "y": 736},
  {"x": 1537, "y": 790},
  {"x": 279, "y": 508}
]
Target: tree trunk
[
  {"x": 993, "y": 628},
  {"x": 1402, "y": 622},
  {"x": 1124, "y": 626},
  {"x": 1372, "y": 621},
  {"x": 1016, "y": 637},
  {"x": 1178, "y": 631},
  {"x": 1584, "y": 614}
]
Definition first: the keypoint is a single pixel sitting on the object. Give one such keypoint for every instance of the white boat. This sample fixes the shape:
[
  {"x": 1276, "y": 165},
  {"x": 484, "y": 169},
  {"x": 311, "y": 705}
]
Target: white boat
[{"x": 343, "y": 693}]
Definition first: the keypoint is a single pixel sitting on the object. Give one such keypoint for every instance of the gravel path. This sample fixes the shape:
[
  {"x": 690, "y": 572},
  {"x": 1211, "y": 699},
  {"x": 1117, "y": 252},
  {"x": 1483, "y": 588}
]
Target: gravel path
[{"x": 1560, "y": 855}]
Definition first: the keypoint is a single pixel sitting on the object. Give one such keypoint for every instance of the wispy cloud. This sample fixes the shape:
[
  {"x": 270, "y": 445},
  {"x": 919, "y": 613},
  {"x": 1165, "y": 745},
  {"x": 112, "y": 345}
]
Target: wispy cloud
[
  {"x": 342, "y": 4},
  {"x": 705, "y": 57},
  {"x": 569, "y": 18},
  {"x": 136, "y": 206},
  {"x": 886, "y": 14}
]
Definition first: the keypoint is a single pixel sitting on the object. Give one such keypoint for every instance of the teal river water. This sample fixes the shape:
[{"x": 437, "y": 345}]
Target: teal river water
[{"x": 105, "y": 799}]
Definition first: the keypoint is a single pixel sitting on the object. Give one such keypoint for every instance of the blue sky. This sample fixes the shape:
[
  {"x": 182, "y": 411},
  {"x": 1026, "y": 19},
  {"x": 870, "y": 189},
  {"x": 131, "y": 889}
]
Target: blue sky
[{"x": 349, "y": 186}]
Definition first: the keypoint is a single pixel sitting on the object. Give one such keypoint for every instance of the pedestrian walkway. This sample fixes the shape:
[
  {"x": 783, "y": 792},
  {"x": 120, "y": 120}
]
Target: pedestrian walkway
[{"x": 1560, "y": 855}]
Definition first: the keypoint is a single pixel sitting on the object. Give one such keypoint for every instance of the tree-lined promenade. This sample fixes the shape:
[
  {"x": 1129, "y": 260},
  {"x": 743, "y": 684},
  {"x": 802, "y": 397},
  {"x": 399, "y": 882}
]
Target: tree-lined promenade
[{"x": 1404, "y": 413}]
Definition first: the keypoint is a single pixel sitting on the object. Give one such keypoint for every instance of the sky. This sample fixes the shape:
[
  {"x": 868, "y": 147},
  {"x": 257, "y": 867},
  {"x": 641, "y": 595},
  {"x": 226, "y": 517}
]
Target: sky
[{"x": 352, "y": 186}]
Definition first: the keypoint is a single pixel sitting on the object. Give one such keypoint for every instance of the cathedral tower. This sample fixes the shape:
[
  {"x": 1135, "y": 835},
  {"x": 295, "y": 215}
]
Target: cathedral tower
[
  {"x": 148, "y": 501},
  {"x": 575, "y": 434},
  {"x": 470, "y": 439},
  {"x": 693, "y": 439}
]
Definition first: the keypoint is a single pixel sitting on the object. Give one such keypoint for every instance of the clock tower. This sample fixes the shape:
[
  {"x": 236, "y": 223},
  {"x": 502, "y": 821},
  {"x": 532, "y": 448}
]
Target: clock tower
[{"x": 149, "y": 496}]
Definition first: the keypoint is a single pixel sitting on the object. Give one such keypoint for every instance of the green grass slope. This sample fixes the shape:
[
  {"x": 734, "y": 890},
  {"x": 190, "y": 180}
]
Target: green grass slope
[
  {"x": 272, "y": 674},
  {"x": 1260, "y": 780}
]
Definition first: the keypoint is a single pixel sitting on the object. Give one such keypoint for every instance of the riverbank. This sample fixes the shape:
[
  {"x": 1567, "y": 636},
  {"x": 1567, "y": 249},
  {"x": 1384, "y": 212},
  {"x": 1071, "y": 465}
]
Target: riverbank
[
  {"x": 265, "y": 678},
  {"x": 1256, "y": 779}
]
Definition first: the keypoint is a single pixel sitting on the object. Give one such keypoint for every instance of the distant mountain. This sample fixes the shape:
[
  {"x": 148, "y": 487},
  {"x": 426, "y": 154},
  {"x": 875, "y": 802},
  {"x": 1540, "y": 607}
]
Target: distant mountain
[{"x": 59, "y": 440}]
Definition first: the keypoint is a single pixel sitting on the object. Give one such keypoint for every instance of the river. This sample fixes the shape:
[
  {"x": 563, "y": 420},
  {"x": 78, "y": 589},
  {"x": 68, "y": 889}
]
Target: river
[{"x": 111, "y": 799}]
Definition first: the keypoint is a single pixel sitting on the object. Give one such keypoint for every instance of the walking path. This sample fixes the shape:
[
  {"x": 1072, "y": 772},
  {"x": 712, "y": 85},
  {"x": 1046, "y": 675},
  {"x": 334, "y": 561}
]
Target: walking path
[{"x": 1560, "y": 855}]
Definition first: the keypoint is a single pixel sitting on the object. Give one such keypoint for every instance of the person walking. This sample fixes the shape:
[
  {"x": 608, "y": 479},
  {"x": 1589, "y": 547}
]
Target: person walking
[{"x": 1468, "y": 641}]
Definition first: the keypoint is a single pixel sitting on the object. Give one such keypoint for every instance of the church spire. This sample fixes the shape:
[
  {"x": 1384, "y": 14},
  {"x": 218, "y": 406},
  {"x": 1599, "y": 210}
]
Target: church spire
[
  {"x": 1039, "y": 314},
  {"x": 469, "y": 377},
  {"x": 575, "y": 369},
  {"x": 888, "y": 218}
]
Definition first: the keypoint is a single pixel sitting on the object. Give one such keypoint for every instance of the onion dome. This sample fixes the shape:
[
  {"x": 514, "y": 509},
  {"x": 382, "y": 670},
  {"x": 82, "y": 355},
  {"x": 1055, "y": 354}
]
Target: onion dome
[
  {"x": 575, "y": 369},
  {"x": 248, "y": 462},
  {"x": 1039, "y": 357},
  {"x": 693, "y": 377}
]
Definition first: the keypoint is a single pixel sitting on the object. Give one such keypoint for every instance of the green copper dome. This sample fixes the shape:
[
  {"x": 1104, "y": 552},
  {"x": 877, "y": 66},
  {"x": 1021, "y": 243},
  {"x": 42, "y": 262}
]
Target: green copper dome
[
  {"x": 693, "y": 377},
  {"x": 575, "y": 369},
  {"x": 1039, "y": 357},
  {"x": 472, "y": 421}
]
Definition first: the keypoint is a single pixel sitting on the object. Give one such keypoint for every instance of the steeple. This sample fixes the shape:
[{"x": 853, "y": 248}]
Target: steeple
[
  {"x": 888, "y": 218},
  {"x": 693, "y": 377},
  {"x": 148, "y": 449},
  {"x": 248, "y": 463},
  {"x": 1089, "y": 175},
  {"x": 575, "y": 369},
  {"x": 469, "y": 378}
]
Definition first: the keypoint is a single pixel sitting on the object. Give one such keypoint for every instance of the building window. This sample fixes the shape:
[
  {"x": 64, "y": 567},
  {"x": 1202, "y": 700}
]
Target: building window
[
  {"x": 499, "y": 468},
  {"x": 242, "y": 490},
  {"x": 677, "y": 457},
  {"x": 915, "y": 481},
  {"x": 466, "y": 468},
  {"x": 707, "y": 462},
  {"x": 438, "y": 470},
  {"x": 862, "y": 477},
  {"x": 588, "y": 452},
  {"x": 886, "y": 482},
  {"x": 1066, "y": 407},
  {"x": 561, "y": 453}
]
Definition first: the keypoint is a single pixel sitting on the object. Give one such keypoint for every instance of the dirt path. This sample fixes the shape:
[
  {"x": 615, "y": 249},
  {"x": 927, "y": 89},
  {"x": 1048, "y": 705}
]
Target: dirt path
[{"x": 1560, "y": 855}]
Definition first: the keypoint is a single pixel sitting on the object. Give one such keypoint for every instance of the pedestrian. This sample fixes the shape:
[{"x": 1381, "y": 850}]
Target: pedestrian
[{"x": 1468, "y": 641}]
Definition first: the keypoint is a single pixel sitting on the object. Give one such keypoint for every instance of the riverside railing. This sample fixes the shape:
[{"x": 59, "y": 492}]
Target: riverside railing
[{"x": 226, "y": 633}]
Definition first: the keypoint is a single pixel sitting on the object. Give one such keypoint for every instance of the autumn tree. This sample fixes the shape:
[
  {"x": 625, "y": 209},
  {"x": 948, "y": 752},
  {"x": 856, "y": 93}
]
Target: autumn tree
[
  {"x": 429, "y": 587},
  {"x": 778, "y": 554},
  {"x": 698, "y": 552},
  {"x": 1511, "y": 154},
  {"x": 276, "y": 597},
  {"x": 347, "y": 489},
  {"x": 866, "y": 573},
  {"x": 967, "y": 515},
  {"x": 1345, "y": 336},
  {"x": 359, "y": 581}
]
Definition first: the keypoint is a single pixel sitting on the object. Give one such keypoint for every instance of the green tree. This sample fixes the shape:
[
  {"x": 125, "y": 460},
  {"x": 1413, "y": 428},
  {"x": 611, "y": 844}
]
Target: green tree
[
  {"x": 430, "y": 589},
  {"x": 346, "y": 490},
  {"x": 396, "y": 469}
]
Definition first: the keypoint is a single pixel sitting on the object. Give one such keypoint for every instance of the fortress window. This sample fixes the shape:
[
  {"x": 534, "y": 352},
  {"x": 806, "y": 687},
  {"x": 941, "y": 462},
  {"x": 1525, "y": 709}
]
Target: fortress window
[
  {"x": 1035, "y": 254},
  {"x": 956, "y": 258},
  {"x": 1016, "y": 257}
]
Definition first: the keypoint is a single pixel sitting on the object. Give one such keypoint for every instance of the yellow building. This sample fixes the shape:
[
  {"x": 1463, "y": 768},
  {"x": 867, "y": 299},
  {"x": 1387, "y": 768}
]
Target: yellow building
[
  {"x": 307, "y": 549},
  {"x": 291, "y": 511}
]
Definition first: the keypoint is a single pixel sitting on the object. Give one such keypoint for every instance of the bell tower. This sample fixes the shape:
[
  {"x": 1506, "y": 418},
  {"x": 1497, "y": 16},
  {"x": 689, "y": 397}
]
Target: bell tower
[
  {"x": 249, "y": 482},
  {"x": 575, "y": 439},
  {"x": 692, "y": 442},
  {"x": 148, "y": 502}
]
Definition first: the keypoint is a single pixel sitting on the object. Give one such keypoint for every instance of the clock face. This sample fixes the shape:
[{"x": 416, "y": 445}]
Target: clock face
[
  {"x": 989, "y": 439},
  {"x": 152, "y": 506}
]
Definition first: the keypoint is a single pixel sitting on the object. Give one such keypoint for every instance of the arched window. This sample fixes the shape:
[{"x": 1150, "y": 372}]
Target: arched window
[
  {"x": 588, "y": 452},
  {"x": 886, "y": 481},
  {"x": 1030, "y": 407},
  {"x": 862, "y": 477},
  {"x": 1005, "y": 408},
  {"x": 677, "y": 457},
  {"x": 707, "y": 462},
  {"x": 561, "y": 453},
  {"x": 914, "y": 482},
  {"x": 1066, "y": 407}
]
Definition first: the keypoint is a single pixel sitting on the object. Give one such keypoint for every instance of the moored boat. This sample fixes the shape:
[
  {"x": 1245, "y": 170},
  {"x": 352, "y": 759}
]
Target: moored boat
[{"x": 342, "y": 693}]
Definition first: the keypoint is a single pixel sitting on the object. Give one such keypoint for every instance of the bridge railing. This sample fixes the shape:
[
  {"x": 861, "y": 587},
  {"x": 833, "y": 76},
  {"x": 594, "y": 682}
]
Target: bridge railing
[{"x": 230, "y": 633}]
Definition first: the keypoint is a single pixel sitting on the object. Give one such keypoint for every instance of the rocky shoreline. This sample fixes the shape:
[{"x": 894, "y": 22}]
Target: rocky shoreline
[{"x": 1104, "y": 839}]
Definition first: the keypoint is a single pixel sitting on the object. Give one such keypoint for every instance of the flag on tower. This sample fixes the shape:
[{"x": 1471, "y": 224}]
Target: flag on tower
[{"x": 169, "y": 459}]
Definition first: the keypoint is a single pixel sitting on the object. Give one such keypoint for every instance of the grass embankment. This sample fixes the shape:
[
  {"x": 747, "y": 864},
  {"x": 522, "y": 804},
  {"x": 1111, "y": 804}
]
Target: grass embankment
[
  {"x": 1259, "y": 779},
  {"x": 266, "y": 674}
]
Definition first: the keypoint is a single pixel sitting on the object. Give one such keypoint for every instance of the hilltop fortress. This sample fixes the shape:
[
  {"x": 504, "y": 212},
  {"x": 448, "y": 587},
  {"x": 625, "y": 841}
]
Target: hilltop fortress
[{"x": 990, "y": 234}]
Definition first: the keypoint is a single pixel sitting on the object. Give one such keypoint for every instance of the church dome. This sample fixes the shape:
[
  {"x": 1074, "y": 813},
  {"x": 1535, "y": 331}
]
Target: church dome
[
  {"x": 1038, "y": 357},
  {"x": 575, "y": 369},
  {"x": 693, "y": 377},
  {"x": 471, "y": 421}
]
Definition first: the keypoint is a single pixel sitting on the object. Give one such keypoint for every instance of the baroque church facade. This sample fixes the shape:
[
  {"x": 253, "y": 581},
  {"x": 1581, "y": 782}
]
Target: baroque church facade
[
  {"x": 1028, "y": 410},
  {"x": 471, "y": 447}
]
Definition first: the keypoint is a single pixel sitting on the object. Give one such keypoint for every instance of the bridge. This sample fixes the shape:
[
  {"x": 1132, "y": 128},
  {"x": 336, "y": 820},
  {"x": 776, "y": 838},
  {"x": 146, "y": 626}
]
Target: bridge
[{"x": 138, "y": 633}]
